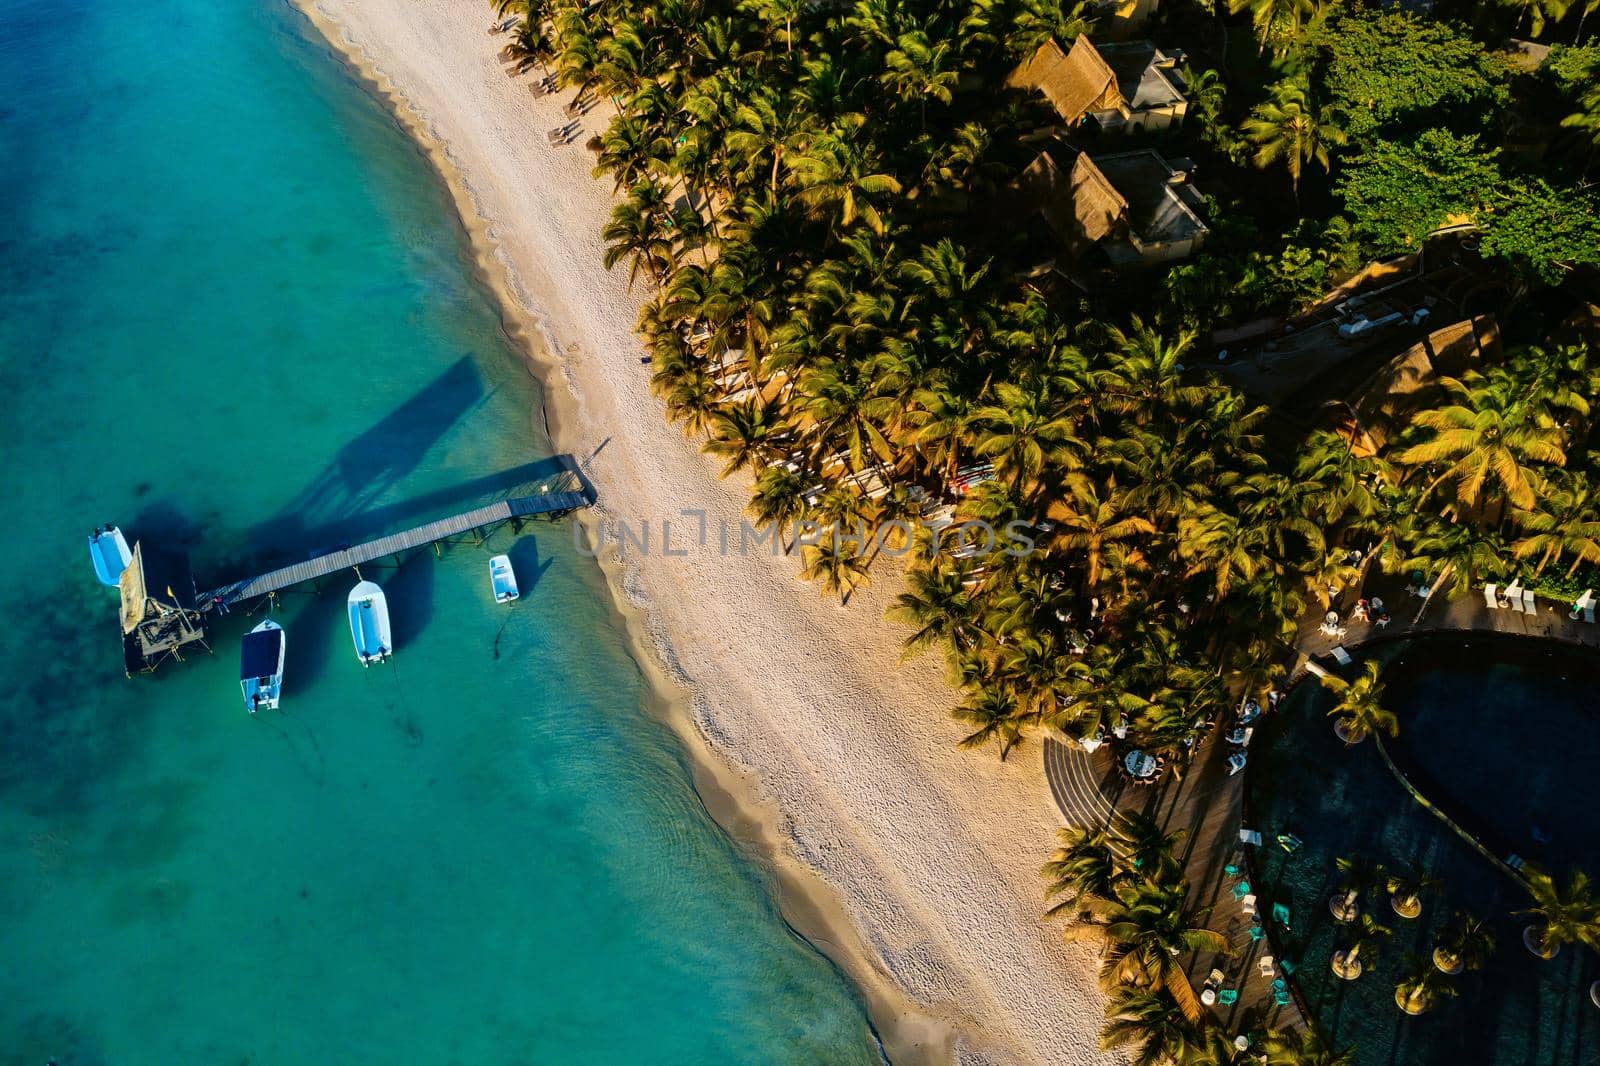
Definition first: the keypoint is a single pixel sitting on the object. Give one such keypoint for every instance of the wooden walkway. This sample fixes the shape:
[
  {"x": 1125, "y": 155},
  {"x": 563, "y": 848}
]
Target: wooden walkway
[
  {"x": 1207, "y": 804},
  {"x": 554, "y": 503}
]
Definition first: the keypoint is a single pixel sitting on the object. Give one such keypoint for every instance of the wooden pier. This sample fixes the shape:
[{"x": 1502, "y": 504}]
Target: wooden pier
[{"x": 551, "y": 505}]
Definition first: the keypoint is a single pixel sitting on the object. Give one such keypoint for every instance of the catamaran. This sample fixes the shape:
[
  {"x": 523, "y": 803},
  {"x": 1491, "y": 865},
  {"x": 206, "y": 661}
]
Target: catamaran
[
  {"x": 369, "y": 623},
  {"x": 503, "y": 579},
  {"x": 261, "y": 666},
  {"x": 109, "y": 552}
]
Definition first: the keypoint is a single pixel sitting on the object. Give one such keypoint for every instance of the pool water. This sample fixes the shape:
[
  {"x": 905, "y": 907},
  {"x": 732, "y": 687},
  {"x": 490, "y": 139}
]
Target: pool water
[{"x": 1472, "y": 719}]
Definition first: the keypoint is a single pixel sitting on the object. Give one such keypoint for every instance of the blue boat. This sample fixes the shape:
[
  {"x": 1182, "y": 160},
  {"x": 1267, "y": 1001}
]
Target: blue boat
[
  {"x": 109, "y": 553},
  {"x": 369, "y": 623},
  {"x": 261, "y": 666},
  {"x": 503, "y": 579}
]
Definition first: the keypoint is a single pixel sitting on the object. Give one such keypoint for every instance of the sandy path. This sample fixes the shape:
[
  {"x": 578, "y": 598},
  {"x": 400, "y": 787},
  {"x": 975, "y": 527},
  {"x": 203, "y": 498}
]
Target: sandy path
[{"x": 846, "y": 766}]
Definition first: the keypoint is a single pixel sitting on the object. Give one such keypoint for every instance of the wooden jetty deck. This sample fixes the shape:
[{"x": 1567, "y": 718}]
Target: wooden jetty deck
[{"x": 553, "y": 504}]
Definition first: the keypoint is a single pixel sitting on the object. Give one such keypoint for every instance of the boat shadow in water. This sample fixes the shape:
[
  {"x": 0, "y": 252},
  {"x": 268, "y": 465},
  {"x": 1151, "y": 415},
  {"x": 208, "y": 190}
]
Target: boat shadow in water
[
  {"x": 525, "y": 561},
  {"x": 409, "y": 591},
  {"x": 319, "y": 629}
]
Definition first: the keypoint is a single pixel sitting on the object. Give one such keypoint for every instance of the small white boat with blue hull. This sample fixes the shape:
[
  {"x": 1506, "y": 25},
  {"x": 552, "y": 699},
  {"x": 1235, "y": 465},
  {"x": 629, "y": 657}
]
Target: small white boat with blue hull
[
  {"x": 108, "y": 550},
  {"x": 369, "y": 623},
  {"x": 261, "y": 666},
  {"x": 503, "y": 579}
]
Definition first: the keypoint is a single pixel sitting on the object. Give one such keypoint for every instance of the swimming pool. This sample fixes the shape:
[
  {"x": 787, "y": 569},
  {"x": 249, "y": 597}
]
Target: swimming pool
[{"x": 1502, "y": 734}]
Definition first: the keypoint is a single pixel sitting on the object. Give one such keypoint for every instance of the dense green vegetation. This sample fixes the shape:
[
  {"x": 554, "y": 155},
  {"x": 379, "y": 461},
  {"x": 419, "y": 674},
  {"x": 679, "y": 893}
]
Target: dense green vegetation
[{"x": 843, "y": 301}]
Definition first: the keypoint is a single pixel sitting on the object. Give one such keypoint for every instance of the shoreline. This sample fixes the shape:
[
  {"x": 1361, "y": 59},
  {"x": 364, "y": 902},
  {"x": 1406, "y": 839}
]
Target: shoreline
[{"x": 903, "y": 876}]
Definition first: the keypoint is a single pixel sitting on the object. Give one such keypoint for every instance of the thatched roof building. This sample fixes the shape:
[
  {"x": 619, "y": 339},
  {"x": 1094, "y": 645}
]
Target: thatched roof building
[{"x": 1134, "y": 86}]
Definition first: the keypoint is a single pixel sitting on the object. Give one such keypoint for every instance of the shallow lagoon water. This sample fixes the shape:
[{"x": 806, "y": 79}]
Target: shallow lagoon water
[{"x": 240, "y": 322}]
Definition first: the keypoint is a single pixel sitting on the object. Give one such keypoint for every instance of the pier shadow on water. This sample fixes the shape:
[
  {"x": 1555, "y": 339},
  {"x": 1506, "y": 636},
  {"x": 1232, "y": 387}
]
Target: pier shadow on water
[{"x": 286, "y": 538}]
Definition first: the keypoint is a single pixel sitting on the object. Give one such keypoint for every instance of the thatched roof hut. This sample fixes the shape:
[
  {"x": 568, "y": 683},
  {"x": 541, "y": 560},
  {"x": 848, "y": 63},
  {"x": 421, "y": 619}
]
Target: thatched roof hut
[{"x": 1075, "y": 82}]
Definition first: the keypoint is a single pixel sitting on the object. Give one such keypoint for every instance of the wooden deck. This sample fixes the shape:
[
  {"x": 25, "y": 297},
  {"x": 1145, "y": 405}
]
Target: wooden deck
[
  {"x": 1208, "y": 806},
  {"x": 554, "y": 503}
]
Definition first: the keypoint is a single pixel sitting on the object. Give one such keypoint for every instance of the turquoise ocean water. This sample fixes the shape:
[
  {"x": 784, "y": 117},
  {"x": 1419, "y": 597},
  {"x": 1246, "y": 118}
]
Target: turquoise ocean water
[{"x": 237, "y": 320}]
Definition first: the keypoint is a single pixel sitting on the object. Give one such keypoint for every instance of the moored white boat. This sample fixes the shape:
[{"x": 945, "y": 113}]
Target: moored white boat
[
  {"x": 261, "y": 666},
  {"x": 369, "y": 623},
  {"x": 503, "y": 579},
  {"x": 109, "y": 552}
]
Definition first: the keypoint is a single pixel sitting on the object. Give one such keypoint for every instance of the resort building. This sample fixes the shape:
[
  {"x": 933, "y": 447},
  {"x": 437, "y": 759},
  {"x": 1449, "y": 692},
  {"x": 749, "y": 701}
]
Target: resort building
[
  {"x": 1133, "y": 86},
  {"x": 1136, "y": 207}
]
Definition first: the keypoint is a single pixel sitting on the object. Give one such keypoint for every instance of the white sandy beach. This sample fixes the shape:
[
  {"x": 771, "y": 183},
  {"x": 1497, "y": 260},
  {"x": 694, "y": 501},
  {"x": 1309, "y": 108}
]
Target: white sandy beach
[{"x": 846, "y": 764}]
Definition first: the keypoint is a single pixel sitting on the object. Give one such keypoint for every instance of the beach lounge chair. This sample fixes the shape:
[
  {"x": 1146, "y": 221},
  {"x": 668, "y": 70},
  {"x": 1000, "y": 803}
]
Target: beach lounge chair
[
  {"x": 1268, "y": 966},
  {"x": 1227, "y": 997},
  {"x": 1241, "y": 890},
  {"x": 1232, "y": 870},
  {"x": 1287, "y": 966},
  {"x": 1530, "y": 603},
  {"x": 1280, "y": 914},
  {"x": 1248, "y": 903},
  {"x": 1280, "y": 996},
  {"x": 1340, "y": 656},
  {"x": 1289, "y": 842},
  {"x": 1249, "y": 836},
  {"x": 1491, "y": 597},
  {"x": 1256, "y": 933},
  {"x": 1512, "y": 596}
]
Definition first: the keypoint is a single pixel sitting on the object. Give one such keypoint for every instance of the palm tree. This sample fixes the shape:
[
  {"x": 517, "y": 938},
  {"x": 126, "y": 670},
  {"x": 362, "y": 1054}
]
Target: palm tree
[
  {"x": 1274, "y": 20},
  {"x": 1586, "y": 120},
  {"x": 836, "y": 562},
  {"x": 1564, "y": 521},
  {"x": 835, "y": 176},
  {"x": 1026, "y": 430},
  {"x": 1465, "y": 944},
  {"x": 921, "y": 68},
  {"x": 1484, "y": 441},
  {"x": 1363, "y": 940},
  {"x": 1407, "y": 886},
  {"x": 1084, "y": 868},
  {"x": 994, "y": 713},
  {"x": 1145, "y": 371},
  {"x": 1420, "y": 990},
  {"x": 779, "y": 498},
  {"x": 1359, "y": 713},
  {"x": 1357, "y": 876},
  {"x": 1537, "y": 12},
  {"x": 1150, "y": 1024},
  {"x": 1145, "y": 931},
  {"x": 767, "y": 126},
  {"x": 1304, "y": 1048},
  {"x": 938, "y": 603},
  {"x": 743, "y": 434},
  {"x": 1089, "y": 522},
  {"x": 640, "y": 228},
  {"x": 1288, "y": 129},
  {"x": 1569, "y": 915},
  {"x": 1146, "y": 845}
]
